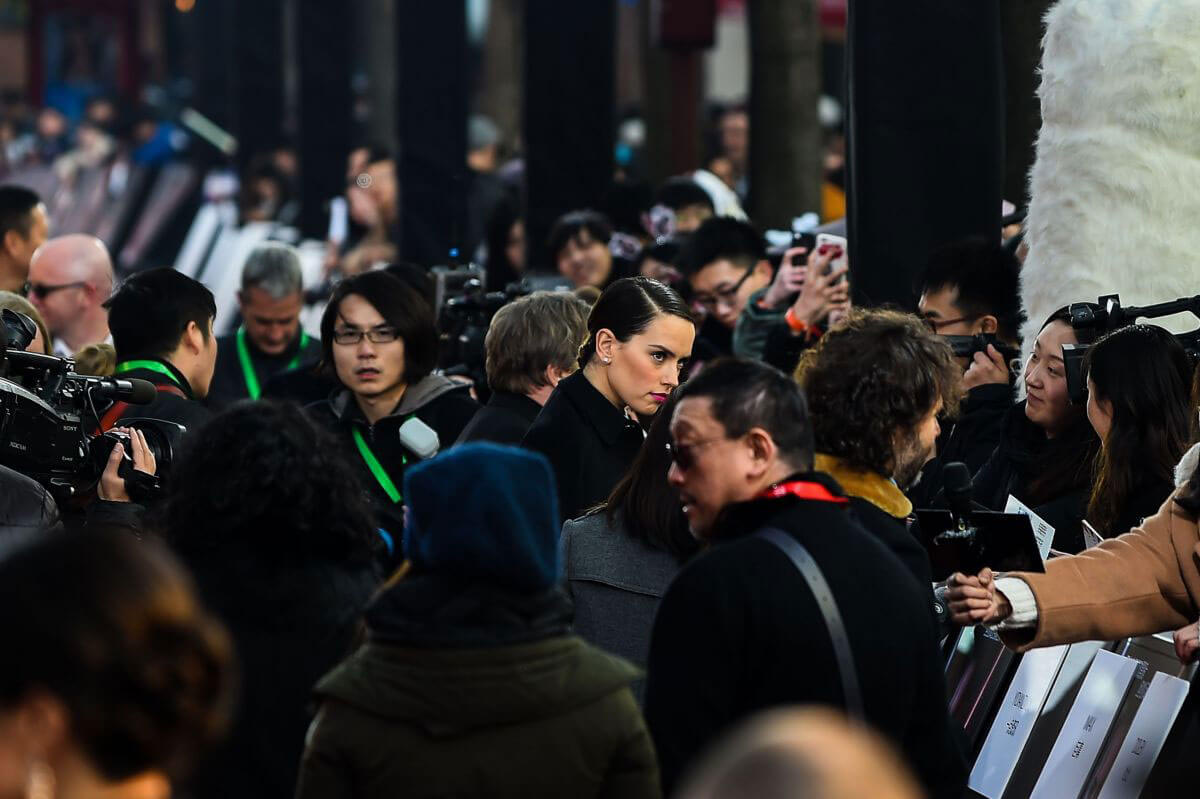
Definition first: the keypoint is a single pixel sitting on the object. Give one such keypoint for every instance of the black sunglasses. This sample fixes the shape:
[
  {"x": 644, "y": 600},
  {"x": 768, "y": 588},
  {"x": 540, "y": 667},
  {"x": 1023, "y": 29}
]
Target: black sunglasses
[{"x": 42, "y": 291}]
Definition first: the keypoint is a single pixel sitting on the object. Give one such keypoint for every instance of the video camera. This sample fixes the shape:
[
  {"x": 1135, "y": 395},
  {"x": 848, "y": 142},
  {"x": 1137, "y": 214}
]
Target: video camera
[
  {"x": 49, "y": 424},
  {"x": 463, "y": 321},
  {"x": 1107, "y": 315}
]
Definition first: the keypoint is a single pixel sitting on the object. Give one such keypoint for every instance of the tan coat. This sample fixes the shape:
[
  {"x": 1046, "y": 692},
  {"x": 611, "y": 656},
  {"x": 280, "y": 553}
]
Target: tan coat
[{"x": 1144, "y": 582}]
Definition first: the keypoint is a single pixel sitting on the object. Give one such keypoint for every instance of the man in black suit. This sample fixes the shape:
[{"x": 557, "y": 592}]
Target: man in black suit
[
  {"x": 740, "y": 631},
  {"x": 531, "y": 345}
]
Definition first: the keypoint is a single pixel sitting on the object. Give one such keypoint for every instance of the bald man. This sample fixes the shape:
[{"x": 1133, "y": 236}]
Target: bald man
[{"x": 70, "y": 278}]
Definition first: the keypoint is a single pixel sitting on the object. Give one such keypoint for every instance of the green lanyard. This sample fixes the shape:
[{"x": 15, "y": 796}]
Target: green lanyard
[
  {"x": 252, "y": 384},
  {"x": 153, "y": 366},
  {"x": 376, "y": 467}
]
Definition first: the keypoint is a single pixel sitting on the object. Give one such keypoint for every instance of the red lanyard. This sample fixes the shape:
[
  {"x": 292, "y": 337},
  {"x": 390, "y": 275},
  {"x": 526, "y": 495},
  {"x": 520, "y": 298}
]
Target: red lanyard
[{"x": 803, "y": 490}]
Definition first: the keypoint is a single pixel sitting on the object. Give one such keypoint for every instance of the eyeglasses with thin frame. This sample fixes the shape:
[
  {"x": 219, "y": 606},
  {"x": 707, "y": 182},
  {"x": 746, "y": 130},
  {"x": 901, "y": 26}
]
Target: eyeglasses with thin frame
[
  {"x": 936, "y": 325},
  {"x": 42, "y": 291},
  {"x": 728, "y": 295},
  {"x": 684, "y": 455},
  {"x": 348, "y": 336}
]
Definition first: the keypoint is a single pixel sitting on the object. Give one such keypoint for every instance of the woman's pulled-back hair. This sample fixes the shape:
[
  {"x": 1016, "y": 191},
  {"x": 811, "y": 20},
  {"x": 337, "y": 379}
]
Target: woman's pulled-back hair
[
  {"x": 110, "y": 626},
  {"x": 1144, "y": 373},
  {"x": 627, "y": 308}
]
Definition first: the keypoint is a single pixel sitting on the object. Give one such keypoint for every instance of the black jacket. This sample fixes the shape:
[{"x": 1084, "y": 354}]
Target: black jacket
[
  {"x": 291, "y": 623},
  {"x": 175, "y": 401},
  {"x": 589, "y": 442},
  {"x": 971, "y": 439},
  {"x": 504, "y": 420},
  {"x": 738, "y": 632},
  {"x": 229, "y": 379},
  {"x": 438, "y": 402},
  {"x": 25, "y": 507},
  {"x": 1019, "y": 460},
  {"x": 303, "y": 385}
]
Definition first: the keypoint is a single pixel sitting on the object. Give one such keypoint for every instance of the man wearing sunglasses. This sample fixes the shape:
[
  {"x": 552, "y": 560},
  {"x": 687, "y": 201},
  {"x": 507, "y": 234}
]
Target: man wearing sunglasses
[
  {"x": 70, "y": 279},
  {"x": 740, "y": 631}
]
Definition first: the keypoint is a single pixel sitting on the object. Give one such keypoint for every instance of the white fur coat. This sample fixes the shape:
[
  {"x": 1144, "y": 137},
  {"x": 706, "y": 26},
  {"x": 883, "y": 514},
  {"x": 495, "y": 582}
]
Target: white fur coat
[{"x": 1115, "y": 187}]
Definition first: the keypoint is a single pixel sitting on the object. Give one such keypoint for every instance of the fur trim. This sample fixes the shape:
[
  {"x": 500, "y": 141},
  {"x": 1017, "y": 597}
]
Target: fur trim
[
  {"x": 876, "y": 489},
  {"x": 1187, "y": 466},
  {"x": 1114, "y": 198}
]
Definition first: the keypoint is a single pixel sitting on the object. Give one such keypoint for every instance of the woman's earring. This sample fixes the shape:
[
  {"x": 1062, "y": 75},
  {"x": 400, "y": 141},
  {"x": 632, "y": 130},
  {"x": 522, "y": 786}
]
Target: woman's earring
[{"x": 606, "y": 360}]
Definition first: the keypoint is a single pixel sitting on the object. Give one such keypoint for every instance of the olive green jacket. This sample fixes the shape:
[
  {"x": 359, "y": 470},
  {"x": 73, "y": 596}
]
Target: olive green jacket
[{"x": 550, "y": 718}]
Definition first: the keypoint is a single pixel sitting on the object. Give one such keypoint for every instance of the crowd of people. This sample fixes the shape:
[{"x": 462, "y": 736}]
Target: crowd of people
[{"x": 353, "y": 572}]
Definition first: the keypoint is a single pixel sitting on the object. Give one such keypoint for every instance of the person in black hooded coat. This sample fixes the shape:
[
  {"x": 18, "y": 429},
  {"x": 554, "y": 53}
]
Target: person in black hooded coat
[{"x": 281, "y": 543}]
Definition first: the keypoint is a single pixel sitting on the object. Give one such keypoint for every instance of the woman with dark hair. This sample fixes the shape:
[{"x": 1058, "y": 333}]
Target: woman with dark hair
[
  {"x": 1047, "y": 452},
  {"x": 640, "y": 336},
  {"x": 114, "y": 677},
  {"x": 283, "y": 547},
  {"x": 381, "y": 341},
  {"x": 579, "y": 248},
  {"x": 1139, "y": 380},
  {"x": 505, "y": 243},
  {"x": 620, "y": 559}
]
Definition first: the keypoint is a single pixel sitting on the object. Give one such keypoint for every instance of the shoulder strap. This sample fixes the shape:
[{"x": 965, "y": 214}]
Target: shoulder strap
[
  {"x": 115, "y": 411},
  {"x": 815, "y": 578}
]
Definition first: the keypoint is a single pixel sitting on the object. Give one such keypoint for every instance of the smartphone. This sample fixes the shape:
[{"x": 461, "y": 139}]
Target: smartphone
[
  {"x": 806, "y": 240},
  {"x": 836, "y": 241}
]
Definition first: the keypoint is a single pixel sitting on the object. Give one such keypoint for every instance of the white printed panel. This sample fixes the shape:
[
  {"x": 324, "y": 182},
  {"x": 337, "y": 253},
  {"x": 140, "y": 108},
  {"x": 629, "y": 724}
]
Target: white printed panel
[
  {"x": 1014, "y": 721},
  {"x": 1042, "y": 531},
  {"x": 1146, "y": 737},
  {"x": 1074, "y": 753}
]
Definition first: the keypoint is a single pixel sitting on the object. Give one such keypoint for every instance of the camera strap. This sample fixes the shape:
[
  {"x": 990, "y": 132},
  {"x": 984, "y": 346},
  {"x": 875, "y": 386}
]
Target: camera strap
[
  {"x": 253, "y": 387},
  {"x": 377, "y": 470},
  {"x": 115, "y": 411},
  {"x": 819, "y": 586}
]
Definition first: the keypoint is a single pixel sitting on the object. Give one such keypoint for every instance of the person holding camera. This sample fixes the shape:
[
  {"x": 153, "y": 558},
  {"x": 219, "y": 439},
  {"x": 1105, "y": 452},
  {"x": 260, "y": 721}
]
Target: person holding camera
[
  {"x": 532, "y": 343},
  {"x": 379, "y": 338},
  {"x": 640, "y": 336},
  {"x": 162, "y": 327},
  {"x": 1047, "y": 451},
  {"x": 972, "y": 288}
]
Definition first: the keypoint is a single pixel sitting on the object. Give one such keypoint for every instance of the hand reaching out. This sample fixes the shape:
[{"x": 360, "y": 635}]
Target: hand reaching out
[{"x": 975, "y": 600}]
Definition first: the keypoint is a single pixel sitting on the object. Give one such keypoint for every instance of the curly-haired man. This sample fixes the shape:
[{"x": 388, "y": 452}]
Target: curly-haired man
[{"x": 876, "y": 385}]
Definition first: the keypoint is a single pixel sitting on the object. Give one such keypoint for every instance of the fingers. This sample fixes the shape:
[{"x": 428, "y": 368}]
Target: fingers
[
  {"x": 114, "y": 458},
  {"x": 996, "y": 357},
  {"x": 985, "y": 576}
]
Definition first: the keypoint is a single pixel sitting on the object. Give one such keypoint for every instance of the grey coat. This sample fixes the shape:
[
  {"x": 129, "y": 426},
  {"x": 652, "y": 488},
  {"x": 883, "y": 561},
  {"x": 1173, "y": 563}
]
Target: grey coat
[{"x": 616, "y": 582}]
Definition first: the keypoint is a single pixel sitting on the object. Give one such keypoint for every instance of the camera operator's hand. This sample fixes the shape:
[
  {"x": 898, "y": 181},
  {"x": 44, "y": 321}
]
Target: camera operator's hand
[
  {"x": 789, "y": 278},
  {"x": 975, "y": 600},
  {"x": 112, "y": 485},
  {"x": 822, "y": 293},
  {"x": 1187, "y": 643},
  {"x": 986, "y": 368}
]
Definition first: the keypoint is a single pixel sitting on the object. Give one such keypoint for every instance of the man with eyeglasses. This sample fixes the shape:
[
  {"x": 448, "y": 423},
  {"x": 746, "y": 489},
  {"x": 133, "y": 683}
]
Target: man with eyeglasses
[
  {"x": 967, "y": 288},
  {"x": 740, "y": 630},
  {"x": 733, "y": 283},
  {"x": 70, "y": 279}
]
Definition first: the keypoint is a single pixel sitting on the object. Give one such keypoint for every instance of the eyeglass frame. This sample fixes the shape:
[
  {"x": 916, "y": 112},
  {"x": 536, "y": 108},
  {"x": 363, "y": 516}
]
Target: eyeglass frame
[
  {"x": 935, "y": 325},
  {"x": 390, "y": 332},
  {"x": 726, "y": 295},
  {"x": 676, "y": 450},
  {"x": 42, "y": 291}
]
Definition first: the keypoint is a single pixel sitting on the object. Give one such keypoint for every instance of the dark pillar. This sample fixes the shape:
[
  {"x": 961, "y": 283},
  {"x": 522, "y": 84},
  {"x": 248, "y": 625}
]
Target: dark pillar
[
  {"x": 431, "y": 126},
  {"x": 323, "y": 38},
  {"x": 258, "y": 76},
  {"x": 925, "y": 137},
  {"x": 1022, "y": 30},
  {"x": 569, "y": 112}
]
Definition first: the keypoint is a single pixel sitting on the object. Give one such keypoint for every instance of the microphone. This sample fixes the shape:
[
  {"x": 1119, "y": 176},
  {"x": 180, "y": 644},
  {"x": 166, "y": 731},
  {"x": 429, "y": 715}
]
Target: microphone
[
  {"x": 128, "y": 389},
  {"x": 419, "y": 438},
  {"x": 958, "y": 487}
]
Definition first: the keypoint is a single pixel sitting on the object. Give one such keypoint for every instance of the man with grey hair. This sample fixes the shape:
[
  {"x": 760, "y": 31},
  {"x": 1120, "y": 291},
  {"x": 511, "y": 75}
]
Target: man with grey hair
[{"x": 269, "y": 340}]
